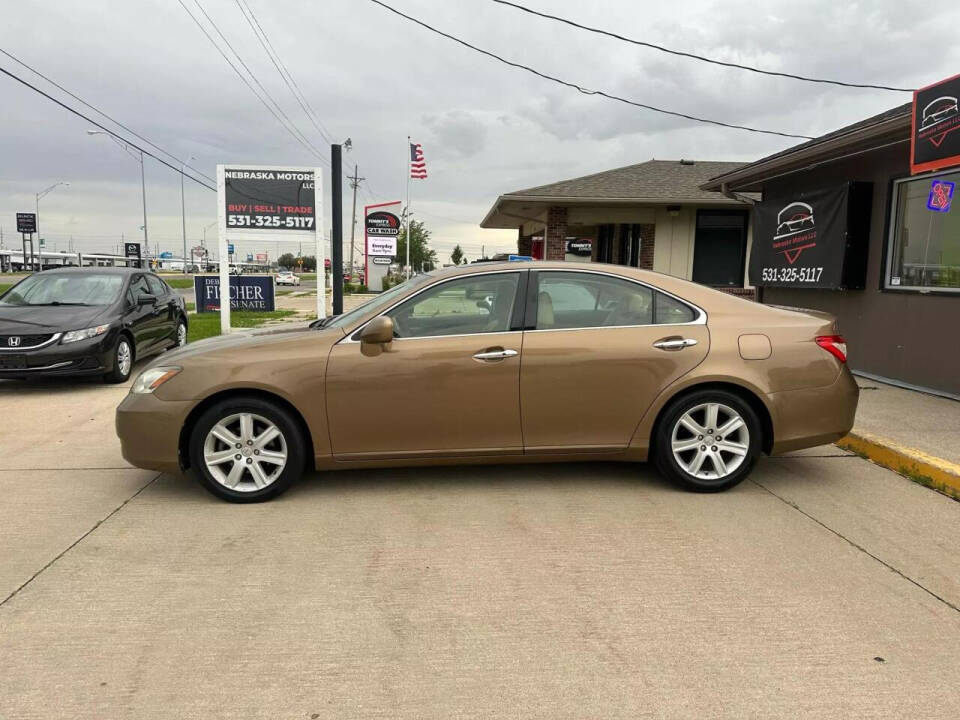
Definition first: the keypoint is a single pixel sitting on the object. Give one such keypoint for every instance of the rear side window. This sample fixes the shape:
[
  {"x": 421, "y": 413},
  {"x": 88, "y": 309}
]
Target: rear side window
[
  {"x": 672, "y": 312},
  {"x": 567, "y": 301},
  {"x": 157, "y": 287}
]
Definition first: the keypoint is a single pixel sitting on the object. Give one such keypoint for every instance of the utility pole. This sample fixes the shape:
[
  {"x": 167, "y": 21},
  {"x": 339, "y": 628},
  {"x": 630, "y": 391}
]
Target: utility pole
[{"x": 354, "y": 183}]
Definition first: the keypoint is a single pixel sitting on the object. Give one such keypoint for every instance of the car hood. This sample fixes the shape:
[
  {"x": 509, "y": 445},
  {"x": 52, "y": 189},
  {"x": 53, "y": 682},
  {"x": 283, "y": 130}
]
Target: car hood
[
  {"x": 242, "y": 341},
  {"x": 38, "y": 319}
]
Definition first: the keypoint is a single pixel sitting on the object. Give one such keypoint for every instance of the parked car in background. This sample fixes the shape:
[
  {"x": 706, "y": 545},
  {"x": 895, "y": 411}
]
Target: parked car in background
[
  {"x": 285, "y": 277},
  {"x": 544, "y": 361},
  {"x": 87, "y": 321}
]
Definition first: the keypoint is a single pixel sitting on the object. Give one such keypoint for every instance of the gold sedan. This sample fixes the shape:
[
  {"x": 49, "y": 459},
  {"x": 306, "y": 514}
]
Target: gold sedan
[{"x": 499, "y": 363}]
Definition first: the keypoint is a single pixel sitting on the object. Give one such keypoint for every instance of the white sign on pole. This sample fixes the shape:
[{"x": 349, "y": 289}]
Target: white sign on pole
[{"x": 269, "y": 203}]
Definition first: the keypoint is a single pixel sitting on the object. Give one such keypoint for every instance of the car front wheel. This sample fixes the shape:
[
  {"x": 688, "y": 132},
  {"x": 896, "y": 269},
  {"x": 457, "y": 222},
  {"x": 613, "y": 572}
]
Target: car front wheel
[
  {"x": 708, "y": 441},
  {"x": 246, "y": 450},
  {"x": 122, "y": 361}
]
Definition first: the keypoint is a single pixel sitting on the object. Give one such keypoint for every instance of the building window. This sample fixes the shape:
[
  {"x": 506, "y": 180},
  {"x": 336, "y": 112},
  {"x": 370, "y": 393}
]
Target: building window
[
  {"x": 605, "y": 243},
  {"x": 720, "y": 248},
  {"x": 924, "y": 249}
]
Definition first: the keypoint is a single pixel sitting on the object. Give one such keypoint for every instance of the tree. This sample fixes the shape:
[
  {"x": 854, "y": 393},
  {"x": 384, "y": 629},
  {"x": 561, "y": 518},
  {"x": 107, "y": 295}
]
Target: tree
[
  {"x": 456, "y": 257},
  {"x": 287, "y": 261},
  {"x": 421, "y": 256}
]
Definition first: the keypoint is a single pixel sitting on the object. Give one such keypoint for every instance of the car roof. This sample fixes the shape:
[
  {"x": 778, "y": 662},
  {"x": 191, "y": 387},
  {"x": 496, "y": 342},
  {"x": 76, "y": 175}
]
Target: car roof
[{"x": 97, "y": 270}]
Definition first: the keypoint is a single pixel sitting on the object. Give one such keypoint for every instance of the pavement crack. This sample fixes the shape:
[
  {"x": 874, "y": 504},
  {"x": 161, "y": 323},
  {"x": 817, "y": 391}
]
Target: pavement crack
[
  {"x": 76, "y": 542},
  {"x": 862, "y": 549}
]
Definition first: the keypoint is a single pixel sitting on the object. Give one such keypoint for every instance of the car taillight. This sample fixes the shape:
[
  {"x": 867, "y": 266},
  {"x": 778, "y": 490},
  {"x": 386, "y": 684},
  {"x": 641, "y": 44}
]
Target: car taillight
[{"x": 835, "y": 345}]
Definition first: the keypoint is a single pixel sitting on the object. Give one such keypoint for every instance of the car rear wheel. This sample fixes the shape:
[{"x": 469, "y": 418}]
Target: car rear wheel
[
  {"x": 246, "y": 450},
  {"x": 181, "y": 334},
  {"x": 122, "y": 361},
  {"x": 708, "y": 441}
]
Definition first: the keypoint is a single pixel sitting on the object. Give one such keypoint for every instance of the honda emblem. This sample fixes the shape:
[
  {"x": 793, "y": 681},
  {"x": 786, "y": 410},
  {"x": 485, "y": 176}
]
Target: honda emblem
[{"x": 13, "y": 341}]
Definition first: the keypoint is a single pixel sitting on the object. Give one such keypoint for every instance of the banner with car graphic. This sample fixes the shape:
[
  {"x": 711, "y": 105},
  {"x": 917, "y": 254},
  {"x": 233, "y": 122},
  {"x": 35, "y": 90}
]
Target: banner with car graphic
[
  {"x": 935, "y": 137},
  {"x": 812, "y": 239}
]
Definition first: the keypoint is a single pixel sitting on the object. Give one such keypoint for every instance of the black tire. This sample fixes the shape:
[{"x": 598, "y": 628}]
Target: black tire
[
  {"x": 117, "y": 374},
  {"x": 281, "y": 418},
  {"x": 668, "y": 464}
]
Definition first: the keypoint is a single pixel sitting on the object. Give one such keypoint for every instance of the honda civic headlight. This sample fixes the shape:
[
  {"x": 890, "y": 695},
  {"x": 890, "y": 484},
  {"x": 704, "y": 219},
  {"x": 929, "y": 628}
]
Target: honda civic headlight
[
  {"x": 152, "y": 378},
  {"x": 74, "y": 335}
]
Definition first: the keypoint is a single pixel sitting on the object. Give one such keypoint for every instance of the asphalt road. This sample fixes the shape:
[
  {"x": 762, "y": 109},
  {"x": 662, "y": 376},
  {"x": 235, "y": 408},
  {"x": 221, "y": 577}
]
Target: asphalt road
[{"x": 826, "y": 588}]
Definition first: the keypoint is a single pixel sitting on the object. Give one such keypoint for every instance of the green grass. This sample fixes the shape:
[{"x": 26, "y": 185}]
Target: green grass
[
  {"x": 204, "y": 325},
  {"x": 308, "y": 276},
  {"x": 190, "y": 307},
  {"x": 4, "y": 287},
  {"x": 180, "y": 282}
]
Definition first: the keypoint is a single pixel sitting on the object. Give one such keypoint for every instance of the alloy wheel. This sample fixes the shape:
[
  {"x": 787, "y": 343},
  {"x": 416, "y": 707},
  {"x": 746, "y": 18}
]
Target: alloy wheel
[
  {"x": 181, "y": 335},
  {"x": 245, "y": 452},
  {"x": 710, "y": 441},
  {"x": 124, "y": 357}
]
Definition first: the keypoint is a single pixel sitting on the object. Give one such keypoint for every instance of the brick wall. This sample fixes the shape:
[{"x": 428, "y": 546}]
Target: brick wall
[
  {"x": 745, "y": 293},
  {"x": 556, "y": 235},
  {"x": 647, "y": 243}
]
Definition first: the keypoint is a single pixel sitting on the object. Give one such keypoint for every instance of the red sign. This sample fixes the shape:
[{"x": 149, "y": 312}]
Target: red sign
[{"x": 935, "y": 132}]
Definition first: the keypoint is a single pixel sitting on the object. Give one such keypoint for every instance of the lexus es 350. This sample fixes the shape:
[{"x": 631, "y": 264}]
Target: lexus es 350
[
  {"x": 512, "y": 362},
  {"x": 87, "y": 321}
]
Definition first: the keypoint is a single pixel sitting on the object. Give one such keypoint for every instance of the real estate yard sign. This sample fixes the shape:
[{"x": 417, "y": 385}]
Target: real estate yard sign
[
  {"x": 269, "y": 203},
  {"x": 935, "y": 135},
  {"x": 247, "y": 292}
]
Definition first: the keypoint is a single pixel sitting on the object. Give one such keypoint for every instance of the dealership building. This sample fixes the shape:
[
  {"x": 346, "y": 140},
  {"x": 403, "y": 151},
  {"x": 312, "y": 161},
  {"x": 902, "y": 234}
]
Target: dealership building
[
  {"x": 651, "y": 215},
  {"x": 864, "y": 223}
]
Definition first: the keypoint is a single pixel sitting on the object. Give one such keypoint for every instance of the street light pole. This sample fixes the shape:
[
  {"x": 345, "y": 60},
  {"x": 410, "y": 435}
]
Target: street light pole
[
  {"x": 138, "y": 156},
  {"x": 42, "y": 194},
  {"x": 183, "y": 218}
]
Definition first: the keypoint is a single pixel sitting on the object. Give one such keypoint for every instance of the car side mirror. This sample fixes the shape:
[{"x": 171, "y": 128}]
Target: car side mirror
[
  {"x": 146, "y": 300},
  {"x": 378, "y": 331}
]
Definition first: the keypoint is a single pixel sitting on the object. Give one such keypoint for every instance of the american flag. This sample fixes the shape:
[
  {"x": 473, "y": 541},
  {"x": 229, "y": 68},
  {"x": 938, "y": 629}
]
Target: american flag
[{"x": 418, "y": 166}]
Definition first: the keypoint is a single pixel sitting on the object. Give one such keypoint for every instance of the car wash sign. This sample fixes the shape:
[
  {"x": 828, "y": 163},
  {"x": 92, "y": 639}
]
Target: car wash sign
[
  {"x": 269, "y": 199},
  {"x": 247, "y": 292},
  {"x": 935, "y": 138},
  {"x": 807, "y": 239},
  {"x": 381, "y": 228}
]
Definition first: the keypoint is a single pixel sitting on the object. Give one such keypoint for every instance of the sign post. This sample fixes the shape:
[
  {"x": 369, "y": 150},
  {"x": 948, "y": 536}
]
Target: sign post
[
  {"x": 272, "y": 203},
  {"x": 27, "y": 225}
]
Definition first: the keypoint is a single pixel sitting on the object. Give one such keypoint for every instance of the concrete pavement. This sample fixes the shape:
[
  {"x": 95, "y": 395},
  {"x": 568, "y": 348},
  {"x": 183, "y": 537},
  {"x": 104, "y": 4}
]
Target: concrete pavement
[{"x": 826, "y": 587}]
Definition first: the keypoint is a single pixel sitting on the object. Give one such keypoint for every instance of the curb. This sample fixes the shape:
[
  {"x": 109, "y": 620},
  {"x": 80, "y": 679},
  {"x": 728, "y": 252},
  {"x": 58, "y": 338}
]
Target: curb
[{"x": 913, "y": 464}]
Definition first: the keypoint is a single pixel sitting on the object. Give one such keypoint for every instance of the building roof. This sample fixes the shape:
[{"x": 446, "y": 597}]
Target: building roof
[
  {"x": 655, "y": 182},
  {"x": 889, "y": 126},
  {"x": 665, "y": 180}
]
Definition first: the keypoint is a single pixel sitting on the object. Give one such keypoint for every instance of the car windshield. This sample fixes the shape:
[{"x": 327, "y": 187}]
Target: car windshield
[
  {"x": 66, "y": 289},
  {"x": 381, "y": 301}
]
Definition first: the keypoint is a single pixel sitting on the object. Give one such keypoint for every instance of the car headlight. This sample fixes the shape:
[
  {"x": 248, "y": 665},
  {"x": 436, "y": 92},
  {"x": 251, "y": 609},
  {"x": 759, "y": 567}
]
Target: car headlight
[
  {"x": 152, "y": 378},
  {"x": 74, "y": 335}
]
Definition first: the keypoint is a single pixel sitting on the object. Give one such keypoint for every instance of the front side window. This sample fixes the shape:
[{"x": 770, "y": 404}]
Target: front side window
[
  {"x": 65, "y": 289},
  {"x": 924, "y": 250},
  {"x": 465, "y": 306},
  {"x": 567, "y": 301},
  {"x": 138, "y": 287},
  {"x": 156, "y": 286}
]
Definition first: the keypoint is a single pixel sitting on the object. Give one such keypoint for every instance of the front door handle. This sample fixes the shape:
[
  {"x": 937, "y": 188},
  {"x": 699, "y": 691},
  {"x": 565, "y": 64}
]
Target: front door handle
[
  {"x": 674, "y": 343},
  {"x": 495, "y": 354}
]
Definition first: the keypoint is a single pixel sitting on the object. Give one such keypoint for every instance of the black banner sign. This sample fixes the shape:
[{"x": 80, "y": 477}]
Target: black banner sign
[
  {"x": 269, "y": 200},
  {"x": 935, "y": 139},
  {"x": 26, "y": 223},
  {"x": 247, "y": 292},
  {"x": 814, "y": 239}
]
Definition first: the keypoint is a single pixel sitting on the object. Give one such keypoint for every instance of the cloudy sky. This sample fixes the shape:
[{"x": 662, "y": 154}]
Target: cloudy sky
[{"x": 486, "y": 128}]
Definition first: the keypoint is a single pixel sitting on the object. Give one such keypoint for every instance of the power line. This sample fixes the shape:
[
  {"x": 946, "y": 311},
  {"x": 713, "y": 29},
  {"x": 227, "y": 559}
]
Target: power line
[
  {"x": 585, "y": 90},
  {"x": 101, "y": 113},
  {"x": 246, "y": 82},
  {"x": 694, "y": 56},
  {"x": 105, "y": 129},
  {"x": 284, "y": 73}
]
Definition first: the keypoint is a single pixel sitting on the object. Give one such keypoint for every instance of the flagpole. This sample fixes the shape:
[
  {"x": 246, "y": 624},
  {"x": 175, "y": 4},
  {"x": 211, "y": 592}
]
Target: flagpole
[{"x": 409, "y": 170}]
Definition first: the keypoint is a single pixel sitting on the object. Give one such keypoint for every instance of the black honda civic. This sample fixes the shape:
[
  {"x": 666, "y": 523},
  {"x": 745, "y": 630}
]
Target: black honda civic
[{"x": 87, "y": 321}]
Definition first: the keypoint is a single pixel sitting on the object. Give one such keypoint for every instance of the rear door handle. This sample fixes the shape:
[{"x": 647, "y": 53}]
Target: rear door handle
[
  {"x": 495, "y": 354},
  {"x": 674, "y": 343}
]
